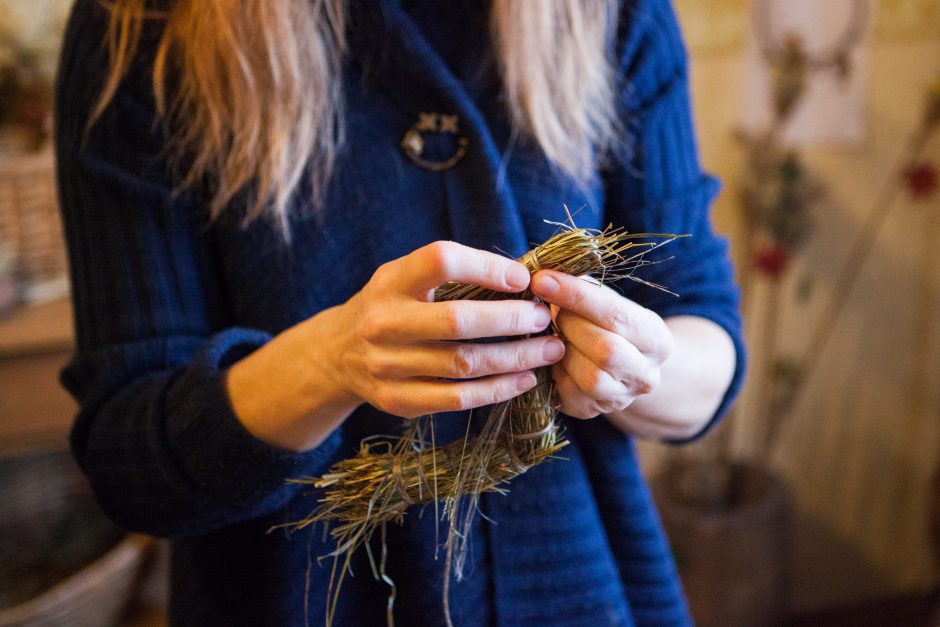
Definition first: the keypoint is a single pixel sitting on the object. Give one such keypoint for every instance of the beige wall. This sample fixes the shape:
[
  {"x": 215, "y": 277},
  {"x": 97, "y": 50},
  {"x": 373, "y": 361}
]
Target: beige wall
[{"x": 864, "y": 439}]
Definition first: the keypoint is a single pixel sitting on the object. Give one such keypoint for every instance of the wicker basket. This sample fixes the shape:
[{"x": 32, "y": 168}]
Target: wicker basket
[
  {"x": 51, "y": 529},
  {"x": 30, "y": 224}
]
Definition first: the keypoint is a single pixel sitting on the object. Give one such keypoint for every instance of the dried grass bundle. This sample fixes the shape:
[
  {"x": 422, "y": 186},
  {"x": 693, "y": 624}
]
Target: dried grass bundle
[{"x": 390, "y": 474}]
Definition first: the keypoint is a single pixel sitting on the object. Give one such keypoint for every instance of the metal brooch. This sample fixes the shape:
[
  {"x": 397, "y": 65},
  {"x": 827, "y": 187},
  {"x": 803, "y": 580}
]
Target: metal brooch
[{"x": 413, "y": 142}]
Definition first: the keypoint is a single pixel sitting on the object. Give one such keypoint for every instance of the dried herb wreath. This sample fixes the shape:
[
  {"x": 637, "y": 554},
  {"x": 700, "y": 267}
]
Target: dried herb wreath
[{"x": 390, "y": 474}]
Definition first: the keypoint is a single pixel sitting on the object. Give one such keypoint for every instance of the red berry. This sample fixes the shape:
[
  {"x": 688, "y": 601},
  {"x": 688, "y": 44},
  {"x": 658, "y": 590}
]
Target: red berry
[
  {"x": 772, "y": 260},
  {"x": 921, "y": 179}
]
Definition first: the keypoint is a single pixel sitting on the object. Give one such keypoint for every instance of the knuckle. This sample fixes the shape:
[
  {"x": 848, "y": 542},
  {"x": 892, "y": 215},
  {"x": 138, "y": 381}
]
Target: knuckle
[
  {"x": 452, "y": 320},
  {"x": 523, "y": 359},
  {"x": 608, "y": 354},
  {"x": 619, "y": 316},
  {"x": 620, "y": 403},
  {"x": 440, "y": 256},
  {"x": 460, "y": 398},
  {"x": 463, "y": 362},
  {"x": 372, "y": 326},
  {"x": 384, "y": 272},
  {"x": 376, "y": 368},
  {"x": 608, "y": 406},
  {"x": 494, "y": 269},
  {"x": 593, "y": 382},
  {"x": 626, "y": 402},
  {"x": 646, "y": 382},
  {"x": 626, "y": 321},
  {"x": 383, "y": 366}
]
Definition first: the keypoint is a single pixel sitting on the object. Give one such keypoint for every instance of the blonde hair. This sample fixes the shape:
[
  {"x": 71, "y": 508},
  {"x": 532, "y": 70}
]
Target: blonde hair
[{"x": 257, "y": 101}]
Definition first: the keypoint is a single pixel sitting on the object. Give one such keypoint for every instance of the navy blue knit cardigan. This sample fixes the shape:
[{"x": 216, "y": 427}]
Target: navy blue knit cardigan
[{"x": 164, "y": 302}]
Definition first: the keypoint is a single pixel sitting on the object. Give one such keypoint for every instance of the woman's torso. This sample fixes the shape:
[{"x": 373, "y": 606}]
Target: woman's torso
[{"x": 575, "y": 542}]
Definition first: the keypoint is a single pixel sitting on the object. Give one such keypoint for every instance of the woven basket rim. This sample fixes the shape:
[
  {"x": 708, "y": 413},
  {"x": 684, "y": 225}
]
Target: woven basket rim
[{"x": 129, "y": 553}]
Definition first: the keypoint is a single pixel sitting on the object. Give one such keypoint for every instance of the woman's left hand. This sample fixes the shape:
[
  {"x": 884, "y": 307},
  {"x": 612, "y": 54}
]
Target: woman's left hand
[{"x": 615, "y": 348}]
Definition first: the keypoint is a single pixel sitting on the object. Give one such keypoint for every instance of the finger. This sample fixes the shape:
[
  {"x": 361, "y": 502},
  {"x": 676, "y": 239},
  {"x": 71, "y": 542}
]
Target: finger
[
  {"x": 606, "y": 349},
  {"x": 573, "y": 401},
  {"x": 466, "y": 320},
  {"x": 606, "y": 392},
  {"x": 414, "y": 398},
  {"x": 602, "y": 306},
  {"x": 456, "y": 360},
  {"x": 581, "y": 295},
  {"x": 443, "y": 261}
]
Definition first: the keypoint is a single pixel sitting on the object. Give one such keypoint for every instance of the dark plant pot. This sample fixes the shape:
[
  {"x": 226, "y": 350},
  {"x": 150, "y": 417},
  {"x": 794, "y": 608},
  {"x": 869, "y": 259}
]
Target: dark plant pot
[{"x": 732, "y": 558}]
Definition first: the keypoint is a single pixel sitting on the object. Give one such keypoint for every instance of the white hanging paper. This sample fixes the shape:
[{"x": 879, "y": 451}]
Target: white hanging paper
[{"x": 833, "y": 109}]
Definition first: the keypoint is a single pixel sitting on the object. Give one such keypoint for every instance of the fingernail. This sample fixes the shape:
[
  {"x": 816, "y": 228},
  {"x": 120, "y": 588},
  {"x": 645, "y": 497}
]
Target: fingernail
[
  {"x": 545, "y": 285},
  {"x": 525, "y": 382},
  {"x": 517, "y": 277},
  {"x": 542, "y": 317},
  {"x": 553, "y": 350}
]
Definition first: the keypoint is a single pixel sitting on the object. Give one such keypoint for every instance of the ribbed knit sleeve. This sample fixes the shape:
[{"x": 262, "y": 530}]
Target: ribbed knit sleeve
[
  {"x": 657, "y": 185},
  {"x": 155, "y": 432}
]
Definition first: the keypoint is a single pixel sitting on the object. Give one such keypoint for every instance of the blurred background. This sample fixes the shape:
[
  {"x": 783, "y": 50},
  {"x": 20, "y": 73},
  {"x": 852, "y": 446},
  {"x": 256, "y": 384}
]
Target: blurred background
[{"x": 816, "y": 502}]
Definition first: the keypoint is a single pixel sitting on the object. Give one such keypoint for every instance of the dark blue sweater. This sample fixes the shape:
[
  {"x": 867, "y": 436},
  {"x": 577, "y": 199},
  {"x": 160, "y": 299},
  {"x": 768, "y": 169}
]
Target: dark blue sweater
[{"x": 164, "y": 302}]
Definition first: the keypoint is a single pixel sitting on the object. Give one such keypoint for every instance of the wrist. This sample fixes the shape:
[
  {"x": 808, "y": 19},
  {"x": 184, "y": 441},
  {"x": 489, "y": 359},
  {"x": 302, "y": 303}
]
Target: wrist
[
  {"x": 646, "y": 418},
  {"x": 321, "y": 341},
  {"x": 284, "y": 393}
]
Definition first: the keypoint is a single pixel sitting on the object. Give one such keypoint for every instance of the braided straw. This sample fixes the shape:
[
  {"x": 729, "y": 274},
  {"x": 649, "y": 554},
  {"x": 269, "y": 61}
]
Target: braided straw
[{"x": 388, "y": 475}]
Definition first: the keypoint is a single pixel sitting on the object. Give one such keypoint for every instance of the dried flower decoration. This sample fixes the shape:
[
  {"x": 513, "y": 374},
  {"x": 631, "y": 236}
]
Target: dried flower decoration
[{"x": 388, "y": 475}]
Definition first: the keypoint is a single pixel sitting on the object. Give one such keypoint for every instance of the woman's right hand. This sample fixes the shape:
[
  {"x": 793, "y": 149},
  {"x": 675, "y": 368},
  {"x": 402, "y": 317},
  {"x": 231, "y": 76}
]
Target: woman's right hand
[
  {"x": 392, "y": 346},
  {"x": 395, "y": 346}
]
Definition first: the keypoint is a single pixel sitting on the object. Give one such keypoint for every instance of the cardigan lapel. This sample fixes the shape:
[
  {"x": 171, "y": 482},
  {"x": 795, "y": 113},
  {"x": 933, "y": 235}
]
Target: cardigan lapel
[
  {"x": 398, "y": 58},
  {"x": 483, "y": 213}
]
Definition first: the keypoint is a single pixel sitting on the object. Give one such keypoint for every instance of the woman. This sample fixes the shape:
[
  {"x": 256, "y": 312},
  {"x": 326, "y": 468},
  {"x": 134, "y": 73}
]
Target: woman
[{"x": 259, "y": 198}]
